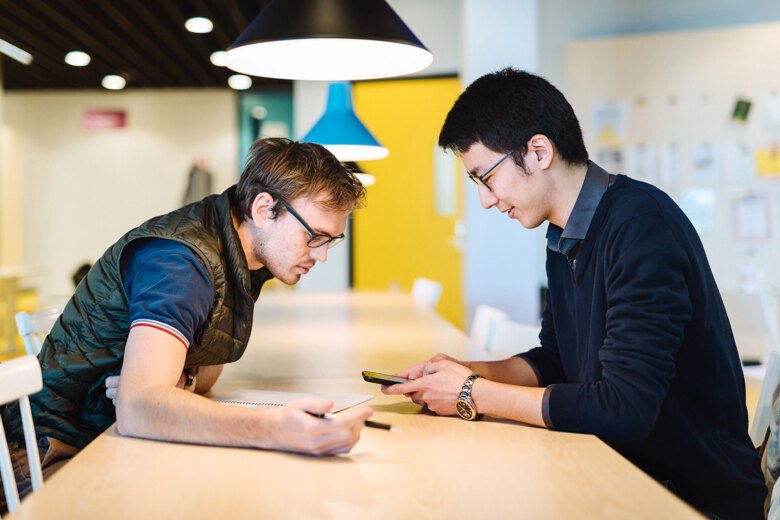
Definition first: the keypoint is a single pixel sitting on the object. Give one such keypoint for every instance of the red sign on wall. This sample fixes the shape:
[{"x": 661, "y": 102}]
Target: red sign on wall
[{"x": 100, "y": 120}]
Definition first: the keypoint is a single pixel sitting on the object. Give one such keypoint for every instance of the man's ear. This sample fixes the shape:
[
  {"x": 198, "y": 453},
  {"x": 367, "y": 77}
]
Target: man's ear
[
  {"x": 263, "y": 209},
  {"x": 542, "y": 149}
]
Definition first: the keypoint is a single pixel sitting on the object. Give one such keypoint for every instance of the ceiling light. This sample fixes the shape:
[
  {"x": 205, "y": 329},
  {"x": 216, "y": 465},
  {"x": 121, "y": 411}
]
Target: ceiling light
[
  {"x": 199, "y": 24},
  {"x": 327, "y": 40},
  {"x": 340, "y": 131},
  {"x": 239, "y": 82},
  {"x": 218, "y": 58},
  {"x": 77, "y": 58},
  {"x": 12, "y": 51},
  {"x": 259, "y": 112},
  {"x": 113, "y": 82}
]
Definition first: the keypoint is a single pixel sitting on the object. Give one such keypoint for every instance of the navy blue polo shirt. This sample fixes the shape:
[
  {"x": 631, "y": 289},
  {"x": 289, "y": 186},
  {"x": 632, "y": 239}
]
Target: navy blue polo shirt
[{"x": 167, "y": 286}]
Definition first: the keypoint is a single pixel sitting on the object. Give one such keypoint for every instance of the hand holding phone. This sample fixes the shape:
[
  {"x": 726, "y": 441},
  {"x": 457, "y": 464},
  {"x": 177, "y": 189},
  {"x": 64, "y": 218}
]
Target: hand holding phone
[{"x": 383, "y": 379}]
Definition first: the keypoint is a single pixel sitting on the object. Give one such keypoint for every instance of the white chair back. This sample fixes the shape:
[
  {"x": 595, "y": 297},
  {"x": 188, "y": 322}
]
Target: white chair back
[
  {"x": 763, "y": 414},
  {"x": 426, "y": 293},
  {"x": 507, "y": 337},
  {"x": 754, "y": 321},
  {"x": 33, "y": 328},
  {"x": 20, "y": 378},
  {"x": 483, "y": 317}
]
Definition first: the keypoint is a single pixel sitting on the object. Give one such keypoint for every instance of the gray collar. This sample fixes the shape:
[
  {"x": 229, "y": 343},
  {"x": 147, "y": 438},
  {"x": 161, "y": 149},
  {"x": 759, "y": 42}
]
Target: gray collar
[{"x": 593, "y": 188}]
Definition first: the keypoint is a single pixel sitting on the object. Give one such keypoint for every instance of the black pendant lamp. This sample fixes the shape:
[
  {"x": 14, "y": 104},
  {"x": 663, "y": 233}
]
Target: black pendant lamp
[{"x": 327, "y": 40}]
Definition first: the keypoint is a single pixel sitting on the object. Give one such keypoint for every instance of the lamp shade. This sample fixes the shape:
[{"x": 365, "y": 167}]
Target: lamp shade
[
  {"x": 366, "y": 179},
  {"x": 327, "y": 40},
  {"x": 340, "y": 131}
]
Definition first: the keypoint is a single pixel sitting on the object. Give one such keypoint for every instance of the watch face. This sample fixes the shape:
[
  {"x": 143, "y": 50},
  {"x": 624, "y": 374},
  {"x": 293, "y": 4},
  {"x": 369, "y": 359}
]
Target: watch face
[{"x": 465, "y": 409}]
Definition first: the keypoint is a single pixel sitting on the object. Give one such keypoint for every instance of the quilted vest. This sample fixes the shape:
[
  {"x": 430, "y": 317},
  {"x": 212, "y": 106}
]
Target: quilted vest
[{"x": 87, "y": 343}]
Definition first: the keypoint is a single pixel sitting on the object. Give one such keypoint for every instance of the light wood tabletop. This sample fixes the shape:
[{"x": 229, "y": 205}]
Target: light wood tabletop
[{"x": 435, "y": 467}]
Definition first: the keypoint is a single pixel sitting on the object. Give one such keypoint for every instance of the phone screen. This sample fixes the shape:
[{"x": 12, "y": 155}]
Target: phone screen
[{"x": 383, "y": 379}]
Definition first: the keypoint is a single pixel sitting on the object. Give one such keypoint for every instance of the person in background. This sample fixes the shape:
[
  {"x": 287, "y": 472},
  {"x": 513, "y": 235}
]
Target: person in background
[
  {"x": 636, "y": 346},
  {"x": 79, "y": 273},
  {"x": 199, "y": 181},
  {"x": 171, "y": 302}
]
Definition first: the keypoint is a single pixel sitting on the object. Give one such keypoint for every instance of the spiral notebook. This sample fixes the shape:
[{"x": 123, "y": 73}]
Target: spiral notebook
[{"x": 270, "y": 399}]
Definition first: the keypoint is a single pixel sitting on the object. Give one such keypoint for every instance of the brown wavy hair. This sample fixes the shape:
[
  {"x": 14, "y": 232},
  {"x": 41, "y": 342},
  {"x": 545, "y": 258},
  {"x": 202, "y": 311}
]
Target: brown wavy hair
[{"x": 288, "y": 169}]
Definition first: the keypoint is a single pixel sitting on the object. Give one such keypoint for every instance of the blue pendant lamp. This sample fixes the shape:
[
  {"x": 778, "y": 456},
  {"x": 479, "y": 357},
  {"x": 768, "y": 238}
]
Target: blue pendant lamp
[{"x": 340, "y": 131}]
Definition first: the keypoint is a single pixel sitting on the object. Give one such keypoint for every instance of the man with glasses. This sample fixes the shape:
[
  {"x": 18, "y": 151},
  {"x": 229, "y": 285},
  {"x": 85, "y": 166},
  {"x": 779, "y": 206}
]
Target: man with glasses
[
  {"x": 172, "y": 301},
  {"x": 636, "y": 346}
]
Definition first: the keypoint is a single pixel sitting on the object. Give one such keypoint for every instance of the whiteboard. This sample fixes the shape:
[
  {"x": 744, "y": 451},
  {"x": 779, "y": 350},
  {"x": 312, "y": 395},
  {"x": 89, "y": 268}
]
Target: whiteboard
[{"x": 680, "y": 89}]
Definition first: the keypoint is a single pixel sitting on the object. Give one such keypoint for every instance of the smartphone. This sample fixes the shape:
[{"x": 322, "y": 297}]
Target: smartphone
[{"x": 383, "y": 379}]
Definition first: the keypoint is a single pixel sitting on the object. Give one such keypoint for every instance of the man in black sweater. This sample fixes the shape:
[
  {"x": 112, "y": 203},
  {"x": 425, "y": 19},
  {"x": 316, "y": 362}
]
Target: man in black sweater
[{"x": 636, "y": 346}]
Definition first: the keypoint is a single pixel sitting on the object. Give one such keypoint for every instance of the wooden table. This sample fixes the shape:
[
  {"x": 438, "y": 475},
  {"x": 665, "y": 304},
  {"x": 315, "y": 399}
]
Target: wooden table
[{"x": 435, "y": 467}]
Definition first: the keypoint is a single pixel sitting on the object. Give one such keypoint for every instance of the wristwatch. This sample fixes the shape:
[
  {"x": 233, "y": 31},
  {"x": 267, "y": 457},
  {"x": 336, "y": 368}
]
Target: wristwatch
[
  {"x": 191, "y": 379},
  {"x": 465, "y": 404}
]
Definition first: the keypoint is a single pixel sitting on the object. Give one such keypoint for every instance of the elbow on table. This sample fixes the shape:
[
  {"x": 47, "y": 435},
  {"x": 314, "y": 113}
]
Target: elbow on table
[
  {"x": 634, "y": 432},
  {"x": 128, "y": 417},
  {"x": 632, "y": 427}
]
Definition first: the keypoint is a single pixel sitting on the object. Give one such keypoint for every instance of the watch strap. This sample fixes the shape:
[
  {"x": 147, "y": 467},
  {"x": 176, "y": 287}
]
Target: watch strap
[
  {"x": 465, "y": 391},
  {"x": 191, "y": 379}
]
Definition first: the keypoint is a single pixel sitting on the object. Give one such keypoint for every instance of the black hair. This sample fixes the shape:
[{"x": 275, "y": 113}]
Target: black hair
[{"x": 504, "y": 109}]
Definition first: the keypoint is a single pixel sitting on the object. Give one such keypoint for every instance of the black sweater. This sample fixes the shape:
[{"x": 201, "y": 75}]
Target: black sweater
[{"x": 639, "y": 350}]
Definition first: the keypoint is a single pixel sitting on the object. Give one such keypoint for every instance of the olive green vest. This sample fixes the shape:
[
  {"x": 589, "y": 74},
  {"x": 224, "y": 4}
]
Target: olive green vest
[{"x": 87, "y": 343}]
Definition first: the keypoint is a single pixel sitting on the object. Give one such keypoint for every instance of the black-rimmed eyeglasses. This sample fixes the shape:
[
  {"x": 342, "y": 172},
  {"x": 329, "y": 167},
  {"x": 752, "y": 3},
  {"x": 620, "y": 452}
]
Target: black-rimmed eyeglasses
[
  {"x": 317, "y": 239},
  {"x": 483, "y": 178}
]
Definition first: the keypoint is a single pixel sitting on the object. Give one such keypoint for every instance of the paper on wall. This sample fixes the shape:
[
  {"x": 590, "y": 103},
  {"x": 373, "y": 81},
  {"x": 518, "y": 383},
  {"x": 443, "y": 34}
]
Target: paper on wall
[{"x": 699, "y": 206}]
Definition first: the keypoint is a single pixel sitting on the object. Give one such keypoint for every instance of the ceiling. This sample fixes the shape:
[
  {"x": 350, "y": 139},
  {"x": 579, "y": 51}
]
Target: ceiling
[{"x": 143, "y": 40}]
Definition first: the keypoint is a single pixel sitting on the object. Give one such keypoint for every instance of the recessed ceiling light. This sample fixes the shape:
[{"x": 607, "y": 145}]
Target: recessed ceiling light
[
  {"x": 113, "y": 82},
  {"x": 239, "y": 82},
  {"x": 218, "y": 58},
  {"x": 259, "y": 112},
  {"x": 198, "y": 24},
  {"x": 77, "y": 58}
]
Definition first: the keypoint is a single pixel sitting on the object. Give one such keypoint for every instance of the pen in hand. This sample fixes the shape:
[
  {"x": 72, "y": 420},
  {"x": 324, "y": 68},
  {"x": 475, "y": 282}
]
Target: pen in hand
[{"x": 368, "y": 424}]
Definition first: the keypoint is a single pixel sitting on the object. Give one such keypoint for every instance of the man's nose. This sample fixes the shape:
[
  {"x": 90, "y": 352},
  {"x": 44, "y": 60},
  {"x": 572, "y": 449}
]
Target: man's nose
[
  {"x": 320, "y": 254},
  {"x": 487, "y": 198}
]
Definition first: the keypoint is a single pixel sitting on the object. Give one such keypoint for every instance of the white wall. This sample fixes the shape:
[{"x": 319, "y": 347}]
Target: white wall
[
  {"x": 437, "y": 24},
  {"x": 504, "y": 263},
  {"x": 562, "y": 21},
  {"x": 82, "y": 191}
]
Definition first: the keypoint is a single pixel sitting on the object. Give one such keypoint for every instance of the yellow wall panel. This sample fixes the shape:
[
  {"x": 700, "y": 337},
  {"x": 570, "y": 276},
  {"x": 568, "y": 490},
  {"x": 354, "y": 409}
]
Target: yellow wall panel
[{"x": 400, "y": 235}]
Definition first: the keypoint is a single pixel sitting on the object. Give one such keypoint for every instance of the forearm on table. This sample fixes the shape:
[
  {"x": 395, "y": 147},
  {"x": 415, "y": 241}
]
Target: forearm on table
[
  {"x": 172, "y": 414},
  {"x": 207, "y": 376},
  {"x": 513, "y": 371},
  {"x": 518, "y": 403}
]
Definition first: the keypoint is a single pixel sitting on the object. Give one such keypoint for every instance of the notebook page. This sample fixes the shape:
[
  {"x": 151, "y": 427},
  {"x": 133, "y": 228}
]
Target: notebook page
[{"x": 270, "y": 399}]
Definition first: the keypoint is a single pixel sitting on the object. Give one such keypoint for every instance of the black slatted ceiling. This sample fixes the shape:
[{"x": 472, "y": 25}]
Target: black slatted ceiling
[{"x": 144, "y": 40}]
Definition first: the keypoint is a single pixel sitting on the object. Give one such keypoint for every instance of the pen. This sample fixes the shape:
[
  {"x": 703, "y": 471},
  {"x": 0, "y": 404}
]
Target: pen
[{"x": 368, "y": 424}]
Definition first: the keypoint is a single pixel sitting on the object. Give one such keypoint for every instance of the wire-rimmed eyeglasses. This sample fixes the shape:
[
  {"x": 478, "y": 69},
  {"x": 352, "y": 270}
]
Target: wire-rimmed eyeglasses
[
  {"x": 483, "y": 178},
  {"x": 317, "y": 239}
]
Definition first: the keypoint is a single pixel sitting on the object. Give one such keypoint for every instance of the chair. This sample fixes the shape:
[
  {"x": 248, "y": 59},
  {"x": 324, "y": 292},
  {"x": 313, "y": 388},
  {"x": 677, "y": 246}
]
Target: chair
[
  {"x": 426, "y": 293},
  {"x": 507, "y": 337},
  {"x": 770, "y": 462},
  {"x": 33, "y": 328},
  {"x": 20, "y": 378},
  {"x": 763, "y": 413},
  {"x": 483, "y": 317},
  {"x": 754, "y": 323}
]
